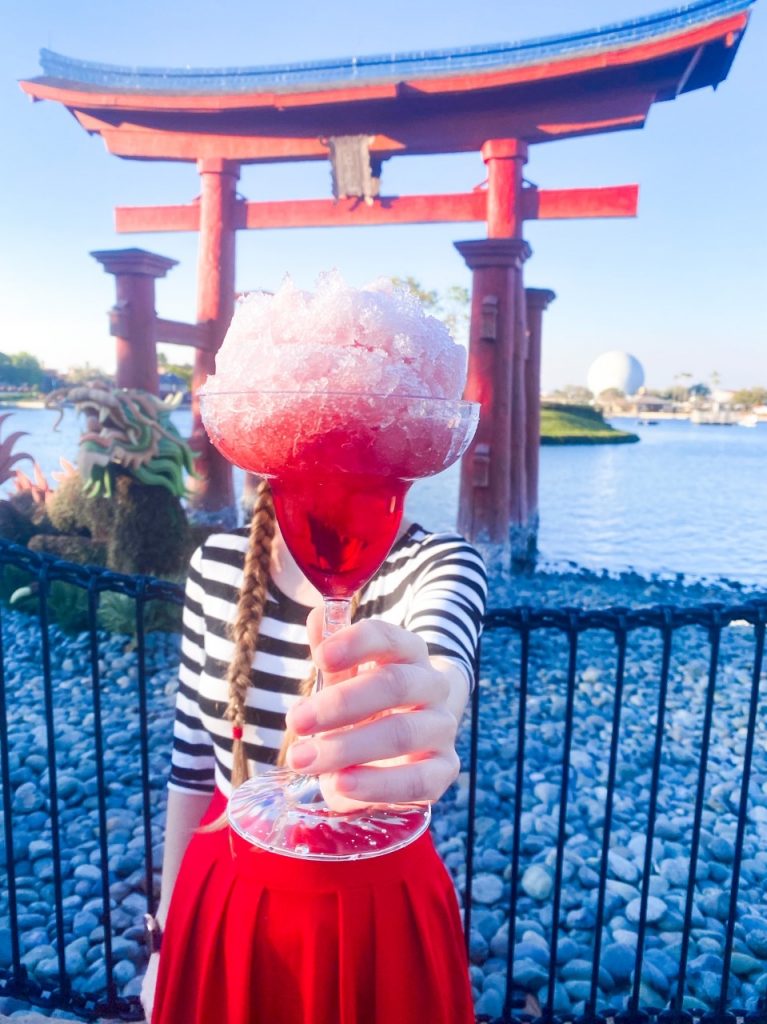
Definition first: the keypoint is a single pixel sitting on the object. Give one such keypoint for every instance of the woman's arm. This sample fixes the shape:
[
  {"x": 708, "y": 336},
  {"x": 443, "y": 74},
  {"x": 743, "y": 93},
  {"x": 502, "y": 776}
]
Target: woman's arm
[
  {"x": 183, "y": 816},
  {"x": 192, "y": 761}
]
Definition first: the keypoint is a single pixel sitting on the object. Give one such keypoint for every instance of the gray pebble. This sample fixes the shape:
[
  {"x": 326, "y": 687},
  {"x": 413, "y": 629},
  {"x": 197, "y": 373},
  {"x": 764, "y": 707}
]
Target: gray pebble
[
  {"x": 655, "y": 909},
  {"x": 487, "y": 889},
  {"x": 537, "y": 882},
  {"x": 490, "y": 1002},
  {"x": 619, "y": 959},
  {"x": 622, "y": 868},
  {"x": 124, "y": 971}
]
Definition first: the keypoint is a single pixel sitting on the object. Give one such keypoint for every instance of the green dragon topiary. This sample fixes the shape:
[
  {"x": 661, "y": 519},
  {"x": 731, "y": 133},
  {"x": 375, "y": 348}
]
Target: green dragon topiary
[{"x": 130, "y": 431}]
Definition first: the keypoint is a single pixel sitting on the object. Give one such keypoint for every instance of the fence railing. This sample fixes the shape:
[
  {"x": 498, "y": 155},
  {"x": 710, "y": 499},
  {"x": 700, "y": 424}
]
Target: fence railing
[
  {"x": 609, "y": 838},
  {"x": 38, "y": 573}
]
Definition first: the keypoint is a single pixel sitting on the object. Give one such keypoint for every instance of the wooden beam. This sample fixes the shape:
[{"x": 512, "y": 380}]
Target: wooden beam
[
  {"x": 316, "y": 213},
  {"x": 459, "y": 207},
  {"x": 313, "y": 213},
  {"x": 568, "y": 203},
  {"x": 157, "y": 218},
  {"x": 175, "y": 332}
]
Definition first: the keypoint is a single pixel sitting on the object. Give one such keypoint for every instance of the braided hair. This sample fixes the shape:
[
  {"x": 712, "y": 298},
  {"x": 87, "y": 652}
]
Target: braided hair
[
  {"x": 251, "y": 603},
  {"x": 244, "y": 630}
]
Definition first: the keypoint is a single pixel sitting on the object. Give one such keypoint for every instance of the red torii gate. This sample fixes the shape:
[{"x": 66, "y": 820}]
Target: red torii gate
[{"x": 498, "y": 100}]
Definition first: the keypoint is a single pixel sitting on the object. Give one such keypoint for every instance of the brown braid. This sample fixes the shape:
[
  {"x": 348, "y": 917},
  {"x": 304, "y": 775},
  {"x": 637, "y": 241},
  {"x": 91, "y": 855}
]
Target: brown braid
[
  {"x": 305, "y": 688},
  {"x": 244, "y": 630}
]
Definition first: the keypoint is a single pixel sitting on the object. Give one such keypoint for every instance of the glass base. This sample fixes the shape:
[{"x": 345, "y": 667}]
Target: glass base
[{"x": 284, "y": 812}]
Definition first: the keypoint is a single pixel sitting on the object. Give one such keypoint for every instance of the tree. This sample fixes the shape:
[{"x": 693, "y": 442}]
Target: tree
[
  {"x": 84, "y": 373},
  {"x": 455, "y": 311},
  {"x": 575, "y": 394},
  {"x": 750, "y": 397},
  {"x": 22, "y": 371},
  {"x": 677, "y": 393},
  {"x": 700, "y": 390},
  {"x": 680, "y": 391},
  {"x": 429, "y": 298},
  {"x": 611, "y": 395},
  {"x": 183, "y": 370},
  {"x": 450, "y": 306}
]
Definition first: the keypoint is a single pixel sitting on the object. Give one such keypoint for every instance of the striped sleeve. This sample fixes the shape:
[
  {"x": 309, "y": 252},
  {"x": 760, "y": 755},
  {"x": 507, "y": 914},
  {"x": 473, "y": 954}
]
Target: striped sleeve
[
  {"x": 193, "y": 759},
  {"x": 449, "y": 598}
]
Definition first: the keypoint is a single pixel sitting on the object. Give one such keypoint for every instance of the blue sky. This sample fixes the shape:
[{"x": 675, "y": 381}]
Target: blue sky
[{"x": 682, "y": 287}]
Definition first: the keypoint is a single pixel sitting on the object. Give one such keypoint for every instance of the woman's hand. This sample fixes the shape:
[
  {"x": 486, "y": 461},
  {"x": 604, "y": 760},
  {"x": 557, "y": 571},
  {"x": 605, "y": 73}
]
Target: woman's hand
[
  {"x": 383, "y": 728},
  {"x": 148, "y": 985}
]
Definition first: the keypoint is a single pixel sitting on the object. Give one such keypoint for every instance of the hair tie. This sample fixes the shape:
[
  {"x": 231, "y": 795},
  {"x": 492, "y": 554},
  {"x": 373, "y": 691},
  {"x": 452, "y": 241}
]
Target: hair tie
[{"x": 236, "y": 732}]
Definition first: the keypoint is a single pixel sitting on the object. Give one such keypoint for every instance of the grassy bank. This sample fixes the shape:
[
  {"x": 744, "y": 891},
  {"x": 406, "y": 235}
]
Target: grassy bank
[
  {"x": 28, "y": 399},
  {"x": 579, "y": 424}
]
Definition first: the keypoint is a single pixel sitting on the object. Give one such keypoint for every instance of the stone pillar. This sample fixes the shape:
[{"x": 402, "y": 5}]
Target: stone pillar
[
  {"x": 537, "y": 300},
  {"x": 493, "y": 475},
  {"x": 132, "y": 319},
  {"x": 486, "y": 479},
  {"x": 213, "y": 494}
]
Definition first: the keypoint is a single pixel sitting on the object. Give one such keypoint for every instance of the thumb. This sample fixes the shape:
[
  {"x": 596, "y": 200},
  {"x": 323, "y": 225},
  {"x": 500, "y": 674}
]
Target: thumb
[{"x": 314, "y": 628}]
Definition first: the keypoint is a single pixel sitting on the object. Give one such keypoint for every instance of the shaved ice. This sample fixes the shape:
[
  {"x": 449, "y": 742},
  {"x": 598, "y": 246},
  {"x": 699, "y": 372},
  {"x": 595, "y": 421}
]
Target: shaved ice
[
  {"x": 363, "y": 376},
  {"x": 376, "y": 339},
  {"x": 342, "y": 398}
]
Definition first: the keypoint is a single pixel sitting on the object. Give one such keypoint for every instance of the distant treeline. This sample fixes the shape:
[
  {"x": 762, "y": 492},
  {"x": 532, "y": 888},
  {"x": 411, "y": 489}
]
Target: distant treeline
[
  {"x": 23, "y": 372},
  {"x": 749, "y": 398}
]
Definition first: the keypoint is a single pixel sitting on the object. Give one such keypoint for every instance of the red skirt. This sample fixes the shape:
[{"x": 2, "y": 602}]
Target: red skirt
[{"x": 256, "y": 938}]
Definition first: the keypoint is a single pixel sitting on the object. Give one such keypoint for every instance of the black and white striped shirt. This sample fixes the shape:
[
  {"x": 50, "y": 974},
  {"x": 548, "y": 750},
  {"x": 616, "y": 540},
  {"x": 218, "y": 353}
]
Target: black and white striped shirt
[{"x": 433, "y": 584}]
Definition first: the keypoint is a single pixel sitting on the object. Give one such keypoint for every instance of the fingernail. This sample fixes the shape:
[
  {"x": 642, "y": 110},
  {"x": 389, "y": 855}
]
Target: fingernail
[
  {"x": 303, "y": 754},
  {"x": 302, "y": 716}
]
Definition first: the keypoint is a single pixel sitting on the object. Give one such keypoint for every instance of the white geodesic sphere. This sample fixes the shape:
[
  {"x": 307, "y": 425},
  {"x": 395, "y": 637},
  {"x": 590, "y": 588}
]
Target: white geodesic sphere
[{"x": 618, "y": 370}]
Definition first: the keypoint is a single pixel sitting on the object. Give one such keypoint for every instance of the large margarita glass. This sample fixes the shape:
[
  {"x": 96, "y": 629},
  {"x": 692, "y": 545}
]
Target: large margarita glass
[{"x": 340, "y": 465}]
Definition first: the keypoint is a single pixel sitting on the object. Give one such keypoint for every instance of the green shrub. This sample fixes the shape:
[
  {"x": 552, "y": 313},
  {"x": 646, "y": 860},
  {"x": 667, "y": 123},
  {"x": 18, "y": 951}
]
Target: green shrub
[
  {"x": 150, "y": 535},
  {"x": 117, "y": 614},
  {"x": 15, "y": 525},
  {"x": 71, "y": 510},
  {"x": 12, "y": 580},
  {"x": 70, "y": 548},
  {"x": 67, "y": 603}
]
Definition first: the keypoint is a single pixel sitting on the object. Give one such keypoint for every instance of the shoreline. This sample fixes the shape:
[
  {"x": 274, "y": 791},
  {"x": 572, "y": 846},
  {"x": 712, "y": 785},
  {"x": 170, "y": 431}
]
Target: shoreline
[
  {"x": 22, "y": 403},
  {"x": 645, "y": 584}
]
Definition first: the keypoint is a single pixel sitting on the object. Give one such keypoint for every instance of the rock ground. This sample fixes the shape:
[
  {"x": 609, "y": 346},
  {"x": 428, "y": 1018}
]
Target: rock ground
[{"x": 593, "y": 708}]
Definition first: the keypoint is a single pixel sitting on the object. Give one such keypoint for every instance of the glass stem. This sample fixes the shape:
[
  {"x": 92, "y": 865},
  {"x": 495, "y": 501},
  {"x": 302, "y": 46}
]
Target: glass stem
[{"x": 338, "y": 614}]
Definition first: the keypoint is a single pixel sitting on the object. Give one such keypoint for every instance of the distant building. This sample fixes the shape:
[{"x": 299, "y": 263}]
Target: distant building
[
  {"x": 172, "y": 384},
  {"x": 647, "y": 405},
  {"x": 52, "y": 379},
  {"x": 615, "y": 371},
  {"x": 723, "y": 396}
]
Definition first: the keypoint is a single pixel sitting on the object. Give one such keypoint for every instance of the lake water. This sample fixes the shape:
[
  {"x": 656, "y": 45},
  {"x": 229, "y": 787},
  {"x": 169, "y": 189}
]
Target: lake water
[{"x": 686, "y": 499}]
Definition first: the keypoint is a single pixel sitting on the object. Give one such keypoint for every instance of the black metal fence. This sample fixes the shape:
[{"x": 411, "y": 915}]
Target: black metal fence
[
  {"x": 612, "y": 840},
  {"x": 38, "y": 573}
]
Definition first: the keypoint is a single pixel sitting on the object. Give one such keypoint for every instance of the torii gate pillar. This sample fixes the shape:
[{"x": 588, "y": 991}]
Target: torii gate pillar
[
  {"x": 213, "y": 493},
  {"x": 536, "y": 301},
  {"x": 132, "y": 319},
  {"x": 493, "y": 510}
]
